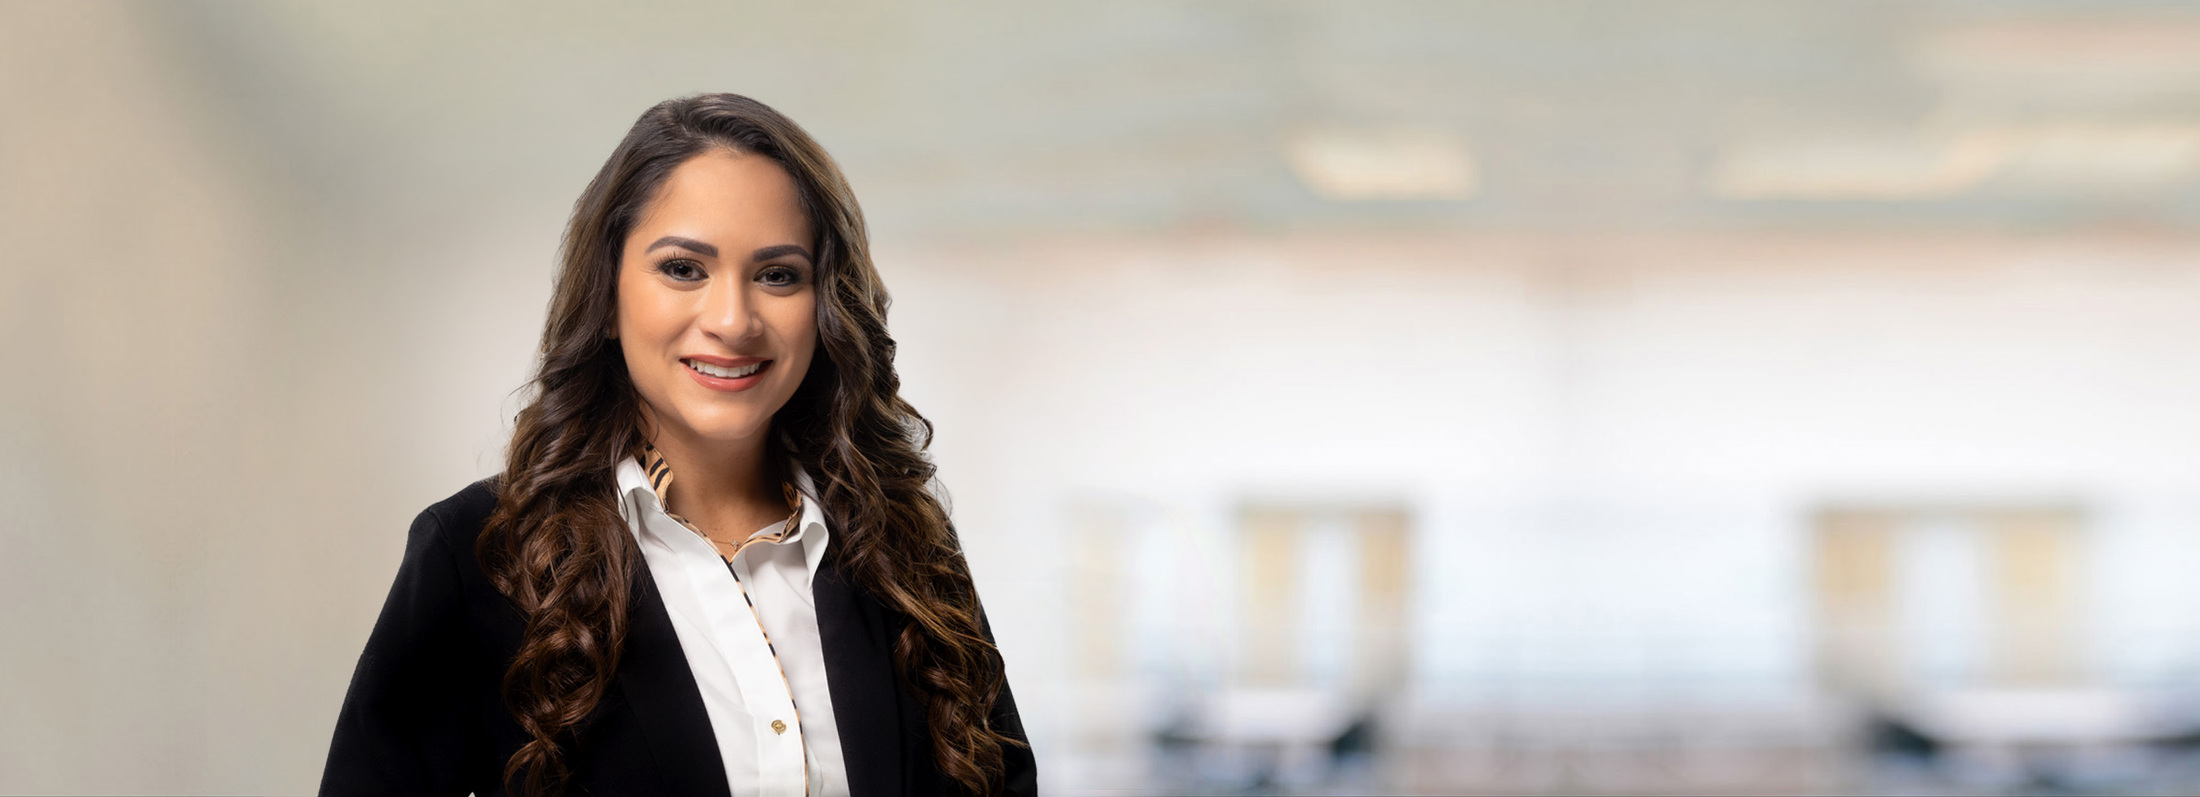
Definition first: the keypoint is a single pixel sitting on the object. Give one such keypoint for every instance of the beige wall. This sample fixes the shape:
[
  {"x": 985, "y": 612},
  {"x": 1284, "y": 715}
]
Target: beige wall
[{"x": 180, "y": 447}]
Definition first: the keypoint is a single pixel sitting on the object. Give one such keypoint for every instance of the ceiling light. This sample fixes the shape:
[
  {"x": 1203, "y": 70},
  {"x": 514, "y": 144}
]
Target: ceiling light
[{"x": 1382, "y": 164}]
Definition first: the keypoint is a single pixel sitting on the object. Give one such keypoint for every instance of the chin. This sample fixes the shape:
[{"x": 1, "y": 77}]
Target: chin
[{"x": 725, "y": 428}]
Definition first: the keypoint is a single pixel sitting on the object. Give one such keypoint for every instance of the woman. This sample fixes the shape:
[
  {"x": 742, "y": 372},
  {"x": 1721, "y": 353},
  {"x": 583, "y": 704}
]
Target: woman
[{"x": 712, "y": 564}]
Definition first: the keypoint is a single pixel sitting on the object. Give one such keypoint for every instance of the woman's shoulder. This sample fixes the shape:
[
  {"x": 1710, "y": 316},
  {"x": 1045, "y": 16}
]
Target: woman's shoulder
[
  {"x": 456, "y": 521},
  {"x": 439, "y": 550}
]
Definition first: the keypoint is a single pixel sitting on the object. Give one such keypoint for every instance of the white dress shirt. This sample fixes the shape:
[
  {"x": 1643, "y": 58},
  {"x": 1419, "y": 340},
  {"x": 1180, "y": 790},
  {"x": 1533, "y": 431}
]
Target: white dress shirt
[{"x": 749, "y": 630}]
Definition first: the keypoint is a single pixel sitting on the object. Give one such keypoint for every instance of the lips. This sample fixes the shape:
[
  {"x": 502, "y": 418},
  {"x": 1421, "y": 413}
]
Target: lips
[
  {"x": 724, "y": 372},
  {"x": 726, "y": 375}
]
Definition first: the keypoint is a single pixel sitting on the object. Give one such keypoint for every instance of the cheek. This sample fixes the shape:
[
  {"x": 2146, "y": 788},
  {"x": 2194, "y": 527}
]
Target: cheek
[
  {"x": 798, "y": 326},
  {"x": 629, "y": 290},
  {"x": 649, "y": 325},
  {"x": 646, "y": 317}
]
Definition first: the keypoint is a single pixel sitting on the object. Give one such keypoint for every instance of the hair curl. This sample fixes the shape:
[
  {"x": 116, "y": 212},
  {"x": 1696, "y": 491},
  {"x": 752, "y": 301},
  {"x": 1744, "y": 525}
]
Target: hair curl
[{"x": 556, "y": 545}]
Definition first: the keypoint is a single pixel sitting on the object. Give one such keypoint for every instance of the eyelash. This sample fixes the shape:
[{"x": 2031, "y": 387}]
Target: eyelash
[
  {"x": 666, "y": 268},
  {"x": 791, "y": 276}
]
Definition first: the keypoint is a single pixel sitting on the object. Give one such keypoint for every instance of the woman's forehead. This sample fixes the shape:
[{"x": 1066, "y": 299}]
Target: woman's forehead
[{"x": 734, "y": 201}]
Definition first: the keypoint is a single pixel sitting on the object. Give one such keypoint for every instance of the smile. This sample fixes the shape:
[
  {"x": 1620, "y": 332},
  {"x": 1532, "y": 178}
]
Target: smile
[{"x": 724, "y": 372}]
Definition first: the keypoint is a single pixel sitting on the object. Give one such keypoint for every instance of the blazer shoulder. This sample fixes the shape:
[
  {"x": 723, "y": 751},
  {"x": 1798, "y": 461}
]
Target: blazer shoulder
[{"x": 457, "y": 521}]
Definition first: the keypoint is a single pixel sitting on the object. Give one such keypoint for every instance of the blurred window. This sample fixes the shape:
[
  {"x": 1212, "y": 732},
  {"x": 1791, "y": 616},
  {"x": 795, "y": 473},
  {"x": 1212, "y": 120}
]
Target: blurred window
[
  {"x": 1326, "y": 592},
  {"x": 1947, "y": 598}
]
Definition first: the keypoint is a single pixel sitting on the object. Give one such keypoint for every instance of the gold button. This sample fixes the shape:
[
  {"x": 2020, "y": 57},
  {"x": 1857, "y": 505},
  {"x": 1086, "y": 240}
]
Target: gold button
[{"x": 779, "y": 727}]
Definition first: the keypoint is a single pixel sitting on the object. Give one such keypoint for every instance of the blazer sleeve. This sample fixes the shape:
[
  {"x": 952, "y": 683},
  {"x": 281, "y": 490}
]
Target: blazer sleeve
[
  {"x": 404, "y": 727},
  {"x": 1020, "y": 773}
]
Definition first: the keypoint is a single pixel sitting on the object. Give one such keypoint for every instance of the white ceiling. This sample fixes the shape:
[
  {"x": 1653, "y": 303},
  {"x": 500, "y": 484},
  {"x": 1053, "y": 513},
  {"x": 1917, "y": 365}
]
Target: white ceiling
[{"x": 968, "y": 117}]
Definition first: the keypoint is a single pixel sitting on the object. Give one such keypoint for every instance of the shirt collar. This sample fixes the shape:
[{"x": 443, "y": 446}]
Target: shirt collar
[{"x": 647, "y": 478}]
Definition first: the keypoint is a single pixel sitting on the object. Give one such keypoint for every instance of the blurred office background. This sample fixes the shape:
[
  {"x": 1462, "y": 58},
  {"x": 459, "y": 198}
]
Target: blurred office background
[{"x": 1410, "y": 397}]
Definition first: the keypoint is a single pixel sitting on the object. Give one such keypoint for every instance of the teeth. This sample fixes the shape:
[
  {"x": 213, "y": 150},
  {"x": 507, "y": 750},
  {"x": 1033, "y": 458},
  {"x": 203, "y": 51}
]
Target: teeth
[{"x": 723, "y": 373}]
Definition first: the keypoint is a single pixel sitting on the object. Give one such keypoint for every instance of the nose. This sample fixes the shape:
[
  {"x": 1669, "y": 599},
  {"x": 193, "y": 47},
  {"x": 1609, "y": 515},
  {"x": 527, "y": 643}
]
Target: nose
[{"x": 729, "y": 314}]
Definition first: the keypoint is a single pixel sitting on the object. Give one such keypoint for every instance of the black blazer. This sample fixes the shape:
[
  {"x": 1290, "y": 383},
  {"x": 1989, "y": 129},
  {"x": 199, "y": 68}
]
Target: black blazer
[{"x": 425, "y": 713}]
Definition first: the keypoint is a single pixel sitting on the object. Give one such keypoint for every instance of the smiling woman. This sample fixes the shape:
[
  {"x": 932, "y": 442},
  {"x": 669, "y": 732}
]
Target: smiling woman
[
  {"x": 791, "y": 615},
  {"x": 716, "y": 344}
]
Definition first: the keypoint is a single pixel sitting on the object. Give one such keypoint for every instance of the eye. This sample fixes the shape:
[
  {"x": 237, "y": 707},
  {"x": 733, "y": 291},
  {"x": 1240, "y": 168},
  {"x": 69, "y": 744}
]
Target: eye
[
  {"x": 683, "y": 270},
  {"x": 779, "y": 276}
]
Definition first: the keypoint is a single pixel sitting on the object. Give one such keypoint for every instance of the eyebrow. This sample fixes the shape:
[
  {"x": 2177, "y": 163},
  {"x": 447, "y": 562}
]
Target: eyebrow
[
  {"x": 770, "y": 252},
  {"x": 708, "y": 250},
  {"x": 689, "y": 244}
]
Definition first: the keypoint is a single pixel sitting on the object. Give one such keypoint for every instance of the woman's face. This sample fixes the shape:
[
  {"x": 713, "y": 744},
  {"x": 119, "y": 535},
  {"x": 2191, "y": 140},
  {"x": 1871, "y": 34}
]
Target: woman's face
[{"x": 718, "y": 299}]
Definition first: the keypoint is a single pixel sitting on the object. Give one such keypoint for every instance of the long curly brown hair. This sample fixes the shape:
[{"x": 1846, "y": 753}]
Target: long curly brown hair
[{"x": 556, "y": 545}]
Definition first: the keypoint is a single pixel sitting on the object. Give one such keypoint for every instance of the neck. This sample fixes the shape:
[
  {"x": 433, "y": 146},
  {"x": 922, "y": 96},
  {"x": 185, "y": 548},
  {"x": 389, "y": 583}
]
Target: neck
[{"x": 725, "y": 486}]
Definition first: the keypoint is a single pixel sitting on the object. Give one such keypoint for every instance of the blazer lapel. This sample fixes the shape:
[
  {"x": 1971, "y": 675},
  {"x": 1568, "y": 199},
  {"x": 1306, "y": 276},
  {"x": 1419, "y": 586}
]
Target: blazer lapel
[
  {"x": 859, "y": 671},
  {"x": 653, "y": 672}
]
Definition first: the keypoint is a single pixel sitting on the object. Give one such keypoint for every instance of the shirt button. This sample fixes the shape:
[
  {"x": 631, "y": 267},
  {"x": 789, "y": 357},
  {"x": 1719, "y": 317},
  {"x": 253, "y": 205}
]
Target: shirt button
[{"x": 779, "y": 727}]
